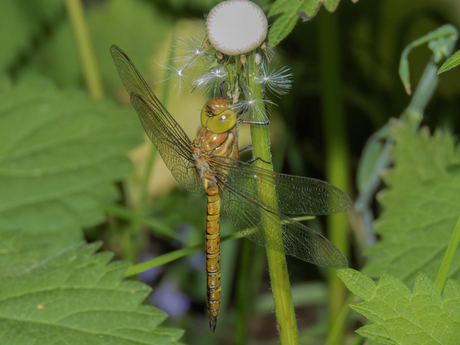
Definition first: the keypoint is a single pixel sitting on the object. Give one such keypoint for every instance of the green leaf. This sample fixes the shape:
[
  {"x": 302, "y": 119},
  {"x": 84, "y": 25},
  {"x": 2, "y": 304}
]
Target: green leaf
[
  {"x": 292, "y": 10},
  {"x": 282, "y": 27},
  {"x": 401, "y": 317},
  {"x": 21, "y": 22},
  {"x": 451, "y": 62},
  {"x": 60, "y": 153},
  {"x": 448, "y": 257},
  {"x": 420, "y": 206},
  {"x": 74, "y": 297},
  {"x": 16, "y": 254},
  {"x": 331, "y": 5}
]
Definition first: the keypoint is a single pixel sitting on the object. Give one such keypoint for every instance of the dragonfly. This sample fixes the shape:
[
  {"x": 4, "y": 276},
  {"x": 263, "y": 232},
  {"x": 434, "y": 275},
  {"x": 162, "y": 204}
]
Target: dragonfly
[{"x": 211, "y": 164}]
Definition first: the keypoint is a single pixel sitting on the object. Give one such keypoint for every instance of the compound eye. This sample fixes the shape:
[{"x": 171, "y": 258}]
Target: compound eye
[
  {"x": 223, "y": 122},
  {"x": 204, "y": 116},
  {"x": 216, "y": 116}
]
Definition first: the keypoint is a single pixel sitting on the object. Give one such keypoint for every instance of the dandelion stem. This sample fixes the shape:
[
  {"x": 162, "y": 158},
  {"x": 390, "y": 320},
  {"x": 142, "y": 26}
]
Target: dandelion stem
[{"x": 279, "y": 277}]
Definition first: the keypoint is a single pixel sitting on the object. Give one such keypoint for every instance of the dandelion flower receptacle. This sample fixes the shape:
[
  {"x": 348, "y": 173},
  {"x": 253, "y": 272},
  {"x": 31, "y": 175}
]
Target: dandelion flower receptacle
[{"x": 236, "y": 26}]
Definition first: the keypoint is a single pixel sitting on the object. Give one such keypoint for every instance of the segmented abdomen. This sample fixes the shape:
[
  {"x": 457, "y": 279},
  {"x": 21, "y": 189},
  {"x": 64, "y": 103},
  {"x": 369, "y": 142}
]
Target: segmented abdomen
[{"x": 213, "y": 254}]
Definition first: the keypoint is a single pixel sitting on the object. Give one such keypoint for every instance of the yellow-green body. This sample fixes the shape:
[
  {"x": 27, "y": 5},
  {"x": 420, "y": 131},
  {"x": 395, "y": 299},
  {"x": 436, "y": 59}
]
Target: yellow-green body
[{"x": 216, "y": 116}]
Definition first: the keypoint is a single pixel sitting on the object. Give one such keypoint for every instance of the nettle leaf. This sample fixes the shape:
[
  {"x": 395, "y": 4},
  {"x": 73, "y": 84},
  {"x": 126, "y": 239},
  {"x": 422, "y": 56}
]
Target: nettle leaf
[
  {"x": 60, "y": 153},
  {"x": 16, "y": 254},
  {"x": 450, "y": 63},
  {"x": 401, "y": 317},
  {"x": 291, "y": 11},
  {"x": 421, "y": 206},
  {"x": 74, "y": 297}
]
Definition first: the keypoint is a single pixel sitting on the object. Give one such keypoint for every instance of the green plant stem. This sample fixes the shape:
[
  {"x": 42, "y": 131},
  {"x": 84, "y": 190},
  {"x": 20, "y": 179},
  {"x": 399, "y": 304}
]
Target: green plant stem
[
  {"x": 336, "y": 331},
  {"x": 448, "y": 257},
  {"x": 250, "y": 275},
  {"x": 413, "y": 114},
  {"x": 441, "y": 41},
  {"x": 304, "y": 295},
  {"x": 88, "y": 60},
  {"x": 248, "y": 283},
  {"x": 242, "y": 307},
  {"x": 177, "y": 254},
  {"x": 337, "y": 156},
  {"x": 425, "y": 88},
  {"x": 279, "y": 276}
]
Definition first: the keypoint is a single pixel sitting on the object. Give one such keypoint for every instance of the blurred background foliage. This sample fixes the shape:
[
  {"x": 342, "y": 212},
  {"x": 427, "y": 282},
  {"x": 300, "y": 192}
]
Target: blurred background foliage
[{"x": 38, "y": 40}]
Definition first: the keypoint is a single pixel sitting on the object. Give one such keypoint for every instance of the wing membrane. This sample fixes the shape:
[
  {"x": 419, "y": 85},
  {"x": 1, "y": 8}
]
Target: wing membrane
[
  {"x": 269, "y": 228},
  {"x": 295, "y": 194},
  {"x": 166, "y": 134}
]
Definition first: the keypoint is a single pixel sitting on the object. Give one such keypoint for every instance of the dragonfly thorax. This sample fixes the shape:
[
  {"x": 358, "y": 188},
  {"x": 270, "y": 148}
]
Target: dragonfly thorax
[{"x": 215, "y": 144}]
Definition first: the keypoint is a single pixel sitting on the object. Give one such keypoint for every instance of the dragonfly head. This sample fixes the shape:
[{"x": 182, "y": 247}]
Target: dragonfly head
[{"x": 217, "y": 117}]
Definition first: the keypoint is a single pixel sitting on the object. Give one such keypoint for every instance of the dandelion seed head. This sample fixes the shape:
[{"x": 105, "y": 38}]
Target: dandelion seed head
[
  {"x": 236, "y": 26},
  {"x": 177, "y": 77},
  {"x": 251, "y": 106},
  {"x": 193, "y": 52},
  {"x": 278, "y": 81},
  {"x": 211, "y": 81},
  {"x": 270, "y": 52}
]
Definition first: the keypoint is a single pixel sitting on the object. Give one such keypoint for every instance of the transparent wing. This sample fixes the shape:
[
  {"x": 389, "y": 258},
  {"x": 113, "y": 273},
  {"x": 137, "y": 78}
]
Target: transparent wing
[
  {"x": 266, "y": 226},
  {"x": 165, "y": 133},
  {"x": 272, "y": 229},
  {"x": 295, "y": 194}
]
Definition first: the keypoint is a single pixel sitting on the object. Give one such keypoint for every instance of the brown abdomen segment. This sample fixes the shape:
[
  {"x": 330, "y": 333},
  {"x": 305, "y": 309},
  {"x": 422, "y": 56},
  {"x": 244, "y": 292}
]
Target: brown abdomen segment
[{"x": 213, "y": 254}]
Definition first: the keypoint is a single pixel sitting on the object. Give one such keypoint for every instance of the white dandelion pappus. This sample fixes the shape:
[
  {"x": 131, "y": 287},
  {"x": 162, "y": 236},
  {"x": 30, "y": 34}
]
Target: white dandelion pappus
[
  {"x": 191, "y": 48},
  {"x": 278, "y": 81},
  {"x": 177, "y": 76},
  {"x": 211, "y": 81},
  {"x": 251, "y": 105}
]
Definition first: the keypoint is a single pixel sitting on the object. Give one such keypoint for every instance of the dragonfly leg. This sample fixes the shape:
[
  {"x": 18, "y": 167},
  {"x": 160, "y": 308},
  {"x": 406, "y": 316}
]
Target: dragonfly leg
[
  {"x": 257, "y": 159},
  {"x": 257, "y": 123},
  {"x": 221, "y": 86},
  {"x": 251, "y": 122},
  {"x": 247, "y": 148},
  {"x": 246, "y": 108},
  {"x": 241, "y": 88}
]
